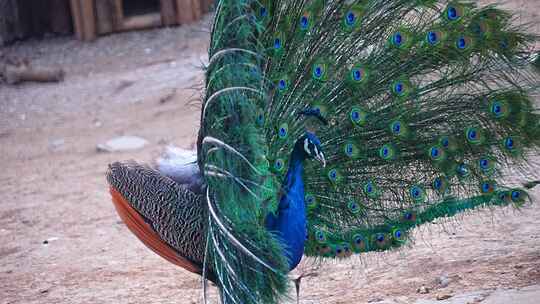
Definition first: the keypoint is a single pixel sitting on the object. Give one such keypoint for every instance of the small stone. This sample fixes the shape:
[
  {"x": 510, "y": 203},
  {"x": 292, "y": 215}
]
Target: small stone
[
  {"x": 444, "y": 281},
  {"x": 56, "y": 144},
  {"x": 443, "y": 296},
  {"x": 423, "y": 289},
  {"x": 122, "y": 143}
]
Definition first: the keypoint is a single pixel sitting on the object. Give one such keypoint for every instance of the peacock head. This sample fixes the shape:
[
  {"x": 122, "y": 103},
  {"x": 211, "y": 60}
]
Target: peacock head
[{"x": 310, "y": 145}]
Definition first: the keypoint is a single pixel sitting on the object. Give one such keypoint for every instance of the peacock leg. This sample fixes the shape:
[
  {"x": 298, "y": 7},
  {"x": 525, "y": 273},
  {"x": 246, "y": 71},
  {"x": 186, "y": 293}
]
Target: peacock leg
[{"x": 297, "y": 285}]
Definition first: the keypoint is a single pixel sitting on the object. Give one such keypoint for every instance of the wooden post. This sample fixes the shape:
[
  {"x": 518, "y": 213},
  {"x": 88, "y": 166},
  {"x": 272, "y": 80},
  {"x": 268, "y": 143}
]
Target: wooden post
[
  {"x": 184, "y": 11},
  {"x": 104, "y": 16},
  {"x": 168, "y": 16},
  {"x": 77, "y": 18},
  {"x": 206, "y": 4},
  {"x": 89, "y": 19},
  {"x": 118, "y": 16},
  {"x": 196, "y": 8}
]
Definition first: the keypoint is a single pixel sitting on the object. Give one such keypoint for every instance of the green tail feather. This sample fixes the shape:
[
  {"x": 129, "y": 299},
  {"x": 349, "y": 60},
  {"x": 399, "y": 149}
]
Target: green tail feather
[{"x": 428, "y": 103}]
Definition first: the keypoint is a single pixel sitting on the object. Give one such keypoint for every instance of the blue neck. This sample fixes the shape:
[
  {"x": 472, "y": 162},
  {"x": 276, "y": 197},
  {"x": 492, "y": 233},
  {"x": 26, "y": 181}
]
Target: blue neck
[
  {"x": 289, "y": 224},
  {"x": 295, "y": 172}
]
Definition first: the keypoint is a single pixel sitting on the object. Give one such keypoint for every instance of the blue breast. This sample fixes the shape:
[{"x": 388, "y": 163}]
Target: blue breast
[{"x": 289, "y": 223}]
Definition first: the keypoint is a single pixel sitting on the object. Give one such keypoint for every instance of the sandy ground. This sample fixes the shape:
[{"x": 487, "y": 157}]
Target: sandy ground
[{"x": 62, "y": 242}]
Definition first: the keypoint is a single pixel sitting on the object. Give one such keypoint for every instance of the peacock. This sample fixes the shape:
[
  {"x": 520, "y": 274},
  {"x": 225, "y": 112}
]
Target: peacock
[{"x": 331, "y": 128}]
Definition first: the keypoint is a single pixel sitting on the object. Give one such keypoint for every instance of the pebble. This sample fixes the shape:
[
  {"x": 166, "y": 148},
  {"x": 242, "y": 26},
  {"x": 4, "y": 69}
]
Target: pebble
[
  {"x": 443, "y": 296},
  {"x": 444, "y": 281},
  {"x": 423, "y": 290},
  {"x": 122, "y": 143}
]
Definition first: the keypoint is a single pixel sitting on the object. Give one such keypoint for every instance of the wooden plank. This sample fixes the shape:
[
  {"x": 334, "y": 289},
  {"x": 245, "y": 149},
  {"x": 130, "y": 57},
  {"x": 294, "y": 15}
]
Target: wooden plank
[
  {"x": 104, "y": 16},
  {"x": 76, "y": 16},
  {"x": 184, "y": 10},
  {"x": 168, "y": 16},
  {"x": 89, "y": 19},
  {"x": 141, "y": 22}
]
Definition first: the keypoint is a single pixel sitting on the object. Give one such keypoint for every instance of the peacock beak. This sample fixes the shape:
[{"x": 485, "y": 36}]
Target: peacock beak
[{"x": 320, "y": 157}]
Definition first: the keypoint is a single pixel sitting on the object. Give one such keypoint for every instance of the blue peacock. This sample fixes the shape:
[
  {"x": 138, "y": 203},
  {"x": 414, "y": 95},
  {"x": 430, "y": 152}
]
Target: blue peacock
[{"x": 332, "y": 128}]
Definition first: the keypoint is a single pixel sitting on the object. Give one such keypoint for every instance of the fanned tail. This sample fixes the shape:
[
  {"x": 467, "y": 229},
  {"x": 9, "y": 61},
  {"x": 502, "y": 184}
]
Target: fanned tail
[{"x": 247, "y": 260}]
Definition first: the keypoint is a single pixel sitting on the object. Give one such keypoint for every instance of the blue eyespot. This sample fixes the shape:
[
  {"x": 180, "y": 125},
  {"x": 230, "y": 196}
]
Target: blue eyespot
[
  {"x": 333, "y": 175},
  {"x": 432, "y": 38},
  {"x": 474, "y": 136},
  {"x": 396, "y": 127},
  {"x": 399, "y": 88},
  {"x": 350, "y": 18},
  {"x": 417, "y": 193},
  {"x": 452, "y": 13},
  {"x": 398, "y": 234},
  {"x": 319, "y": 235},
  {"x": 380, "y": 238},
  {"x": 387, "y": 152},
  {"x": 304, "y": 22},
  {"x": 359, "y": 242},
  {"x": 353, "y": 206},
  {"x": 498, "y": 109},
  {"x": 445, "y": 142},
  {"x": 260, "y": 119},
  {"x": 485, "y": 164},
  {"x": 515, "y": 195},
  {"x": 461, "y": 43},
  {"x": 282, "y": 84},
  {"x": 309, "y": 199},
  {"x": 369, "y": 188},
  {"x": 358, "y": 116},
  {"x": 263, "y": 12},
  {"x": 435, "y": 152},
  {"x": 509, "y": 143},
  {"x": 408, "y": 216},
  {"x": 487, "y": 187},
  {"x": 279, "y": 165},
  {"x": 437, "y": 183},
  {"x": 349, "y": 150},
  {"x": 277, "y": 44},
  {"x": 283, "y": 131},
  {"x": 397, "y": 39},
  {"x": 357, "y": 74},
  {"x": 462, "y": 170},
  {"x": 318, "y": 72}
]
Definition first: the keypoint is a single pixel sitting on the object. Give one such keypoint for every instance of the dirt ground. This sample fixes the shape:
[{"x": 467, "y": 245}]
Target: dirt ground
[{"x": 62, "y": 242}]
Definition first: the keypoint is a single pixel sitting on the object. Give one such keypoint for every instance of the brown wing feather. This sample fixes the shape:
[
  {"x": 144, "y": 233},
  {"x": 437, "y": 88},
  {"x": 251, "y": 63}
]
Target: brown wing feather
[{"x": 138, "y": 226}]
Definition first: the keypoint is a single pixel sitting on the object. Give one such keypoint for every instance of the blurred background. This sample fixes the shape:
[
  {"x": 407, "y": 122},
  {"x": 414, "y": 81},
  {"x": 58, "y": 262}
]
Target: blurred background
[{"x": 84, "y": 83}]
